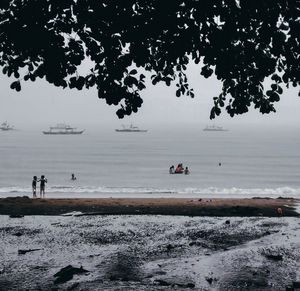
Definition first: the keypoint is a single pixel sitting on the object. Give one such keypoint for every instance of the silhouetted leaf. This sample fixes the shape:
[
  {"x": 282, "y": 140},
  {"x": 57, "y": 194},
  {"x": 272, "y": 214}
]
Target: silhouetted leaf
[{"x": 133, "y": 72}]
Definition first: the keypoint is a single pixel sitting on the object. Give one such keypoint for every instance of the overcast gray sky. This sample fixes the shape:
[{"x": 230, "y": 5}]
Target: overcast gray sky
[{"x": 42, "y": 104}]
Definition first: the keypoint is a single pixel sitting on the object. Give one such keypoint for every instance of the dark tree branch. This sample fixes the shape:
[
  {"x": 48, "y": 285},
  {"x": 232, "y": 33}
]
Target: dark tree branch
[{"x": 241, "y": 42}]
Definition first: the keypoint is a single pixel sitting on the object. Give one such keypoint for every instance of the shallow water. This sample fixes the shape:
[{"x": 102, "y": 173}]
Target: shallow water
[
  {"x": 150, "y": 252},
  {"x": 253, "y": 162}
]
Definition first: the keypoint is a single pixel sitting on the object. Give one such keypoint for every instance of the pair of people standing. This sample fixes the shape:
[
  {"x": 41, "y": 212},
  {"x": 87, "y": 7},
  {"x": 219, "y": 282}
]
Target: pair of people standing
[{"x": 43, "y": 182}]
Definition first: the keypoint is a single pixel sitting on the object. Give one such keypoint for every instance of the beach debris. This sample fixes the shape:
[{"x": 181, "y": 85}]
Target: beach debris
[
  {"x": 162, "y": 283},
  {"x": 296, "y": 284},
  {"x": 23, "y": 252},
  {"x": 16, "y": 216},
  {"x": 227, "y": 221},
  {"x": 72, "y": 213},
  {"x": 160, "y": 273},
  {"x": 114, "y": 278},
  {"x": 170, "y": 247},
  {"x": 149, "y": 276},
  {"x": 173, "y": 284},
  {"x": 274, "y": 257},
  {"x": 188, "y": 285},
  {"x": 41, "y": 268},
  {"x": 18, "y": 234},
  {"x": 67, "y": 273},
  {"x": 279, "y": 211},
  {"x": 209, "y": 279}
]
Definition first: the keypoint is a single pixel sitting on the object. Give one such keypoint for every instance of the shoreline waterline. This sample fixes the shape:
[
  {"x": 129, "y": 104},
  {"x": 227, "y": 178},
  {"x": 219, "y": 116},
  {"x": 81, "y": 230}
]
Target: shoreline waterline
[{"x": 211, "y": 192}]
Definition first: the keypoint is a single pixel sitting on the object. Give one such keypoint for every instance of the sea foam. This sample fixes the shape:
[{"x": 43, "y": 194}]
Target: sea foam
[{"x": 69, "y": 191}]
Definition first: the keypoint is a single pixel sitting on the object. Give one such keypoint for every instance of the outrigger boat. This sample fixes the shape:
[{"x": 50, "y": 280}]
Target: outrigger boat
[
  {"x": 63, "y": 128},
  {"x": 214, "y": 128},
  {"x": 131, "y": 128},
  {"x": 6, "y": 126}
]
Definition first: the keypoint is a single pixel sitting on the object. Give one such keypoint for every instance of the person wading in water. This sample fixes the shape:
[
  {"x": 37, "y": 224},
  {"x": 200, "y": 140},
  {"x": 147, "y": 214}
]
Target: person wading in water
[
  {"x": 43, "y": 182},
  {"x": 34, "y": 181}
]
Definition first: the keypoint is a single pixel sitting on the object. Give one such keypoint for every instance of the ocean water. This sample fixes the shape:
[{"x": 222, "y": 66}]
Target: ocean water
[{"x": 254, "y": 162}]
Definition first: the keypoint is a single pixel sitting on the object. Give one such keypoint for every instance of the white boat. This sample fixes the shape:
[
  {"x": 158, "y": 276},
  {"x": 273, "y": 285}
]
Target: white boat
[
  {"x": 130, "y": 128},
  {"x": 214, "y": 128},
  {"x": 6, "y": 126},
  {"x": 63, "y": 128}
]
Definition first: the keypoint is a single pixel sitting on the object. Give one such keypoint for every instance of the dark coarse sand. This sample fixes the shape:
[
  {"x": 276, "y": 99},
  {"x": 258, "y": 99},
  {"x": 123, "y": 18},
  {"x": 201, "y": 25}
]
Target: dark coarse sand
[{"x": 17, "y": 206}]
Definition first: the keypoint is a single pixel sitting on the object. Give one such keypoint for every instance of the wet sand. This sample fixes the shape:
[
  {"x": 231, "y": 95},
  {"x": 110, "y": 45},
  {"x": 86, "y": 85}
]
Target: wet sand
[
  {"x": 149, "y": 252},
  {"x": 150, "y": 206}
]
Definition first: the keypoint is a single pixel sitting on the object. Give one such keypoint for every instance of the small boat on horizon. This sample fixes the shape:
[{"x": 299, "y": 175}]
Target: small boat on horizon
[
  {"x": 130, "y": 128},
  {"x": 214, "y": 128},
  {"x": 5, "y": 126},
  {"x": 63, "y": 128}
]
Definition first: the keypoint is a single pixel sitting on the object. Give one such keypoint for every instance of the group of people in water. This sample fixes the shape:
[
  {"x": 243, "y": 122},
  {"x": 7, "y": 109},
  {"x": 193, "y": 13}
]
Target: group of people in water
[
  {"x": 43, "y": 182},
  {"x": 179, "y": 170}
]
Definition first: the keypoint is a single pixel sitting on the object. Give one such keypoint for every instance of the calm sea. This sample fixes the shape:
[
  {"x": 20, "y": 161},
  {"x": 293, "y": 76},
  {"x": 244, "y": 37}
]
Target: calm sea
[{"x": 254, "y": 162}]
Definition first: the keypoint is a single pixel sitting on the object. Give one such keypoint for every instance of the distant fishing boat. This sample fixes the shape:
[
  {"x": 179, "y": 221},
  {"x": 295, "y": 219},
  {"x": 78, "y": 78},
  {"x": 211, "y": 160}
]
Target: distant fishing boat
[
  {"x": 63, "y": 128},
  {"x": 214, "y": 128},
  {"x": 6, "y": 126},
  {"x": 130, "y": 128}
]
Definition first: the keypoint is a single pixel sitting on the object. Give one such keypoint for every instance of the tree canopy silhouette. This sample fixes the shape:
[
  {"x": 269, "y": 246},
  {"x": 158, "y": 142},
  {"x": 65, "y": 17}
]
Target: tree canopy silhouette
[{"x": 242, "y": 42}]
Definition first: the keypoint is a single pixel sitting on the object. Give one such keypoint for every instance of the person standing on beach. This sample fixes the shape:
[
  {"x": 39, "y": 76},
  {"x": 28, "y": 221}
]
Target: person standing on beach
[
  {"x": 34, "y": 181},
  {"x": 43, "y": 182}
]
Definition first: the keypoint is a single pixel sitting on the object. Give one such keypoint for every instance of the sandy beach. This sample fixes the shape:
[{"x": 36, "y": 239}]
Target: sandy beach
[
  {"x": 149, "y": 244},
  {"x": 154, "y": 206},
  {"x": 149, "y": 252}
]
